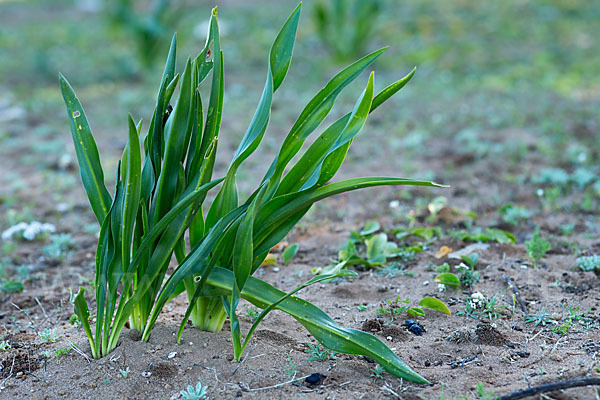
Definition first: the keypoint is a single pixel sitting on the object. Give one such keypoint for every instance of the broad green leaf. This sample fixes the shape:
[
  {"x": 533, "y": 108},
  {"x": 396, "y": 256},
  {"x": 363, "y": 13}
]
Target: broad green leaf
[
  {"x": 434, "y": 304},
  {"x": 447, "y": 278},
  {"x": 289, "y": 253},
  {"x": 415, "y": 311},
  {"x": 370, "y": 228},
  {"x": 376, "y": 246},
  {"x": 88, "y": 158}
]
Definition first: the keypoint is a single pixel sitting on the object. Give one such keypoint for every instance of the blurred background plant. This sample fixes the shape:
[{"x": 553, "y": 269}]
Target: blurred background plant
[
  {"x": 346, "y": 26},
  {"x": 151, "y": 27}
]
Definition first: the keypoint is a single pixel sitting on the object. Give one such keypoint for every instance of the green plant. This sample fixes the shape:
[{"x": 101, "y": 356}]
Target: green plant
[
  {"x": 398, "y": 306},
  {"x": 252, "y": 313},
  {"x": 319, "y": 354},
  {"x": 74, "y": 320},
  {"x": 49, "y": 335},
  {"x": 572, "y": 317},
  {"x": 537, "y": 246},
  {"x": 159, "y": 199},
  {"x": 478, "y": 306},
  {"x": 589, "y": 263},
  {"x": 289, "y": 253},
  {"x": 368, "y": 249},
  {"x": 124, "y": 372},
  {"x": 150, "y": 31},
  {"x": 468, "y": 276},
  {"x": 195, "y": 393},
  {"x": 485, "y": 394},
  {"x": 5, "y": 345},
  {"x": 345, "y": 26},
  {"x": 377, "y": 372},
  {"x": 542, "y": 317},
  {"x": 512, "y": 214},
  {"x": 477, "y": 234},
  {"x": 62, "y": 352},
  {"x": 290, "y": 368},
  {"x": 59, "y": 246}
]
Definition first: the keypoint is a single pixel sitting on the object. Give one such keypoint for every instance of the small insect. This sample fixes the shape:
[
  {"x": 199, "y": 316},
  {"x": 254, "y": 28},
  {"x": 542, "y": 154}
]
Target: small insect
[
  {"x": 168, "y": 112},
  {"x": 414, "y": 327}
]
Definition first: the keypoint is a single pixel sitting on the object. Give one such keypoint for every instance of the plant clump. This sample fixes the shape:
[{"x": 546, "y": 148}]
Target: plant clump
[{"x": 159, "y": 210}]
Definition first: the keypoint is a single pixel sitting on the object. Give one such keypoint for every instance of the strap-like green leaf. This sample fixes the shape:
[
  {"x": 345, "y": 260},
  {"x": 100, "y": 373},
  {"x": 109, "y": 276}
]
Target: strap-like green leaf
[
  {"x": 87, "y": 153},
  {"x": 132, "y": 185},
  {"x": 175, "y": 142},
  {"x": 314, "y": 157},
  {"x": 319, "y": 324},
  {"x": 315, "y": 112},
  {"x": 278, "y": 211},
  {"x": 82, "y": 311}
]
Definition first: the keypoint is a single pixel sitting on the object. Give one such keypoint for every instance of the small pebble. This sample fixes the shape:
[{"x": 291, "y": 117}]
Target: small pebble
[{"x": 172, "y": 355}]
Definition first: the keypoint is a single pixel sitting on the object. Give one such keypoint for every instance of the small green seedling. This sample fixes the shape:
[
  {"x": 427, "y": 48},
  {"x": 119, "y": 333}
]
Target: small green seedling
[
  {"x": 289, "y": 253},
  {"x": 477, "y": 234},
  {"x": 290, "y": 368},
  {"x": 398, "y": 306},
  {"x": 377, "y": 372},
  {"x": 124, "y": 372},
  {"x": 62, "y": 352},
  {"x": 479, "y": 307},
  {"x": 49, "y": 335},
  {"x": 199, "y": 392},
  {"x": 252, "y": 313},
  {"x": 537, "y": 247},
  {"x": 319, "y": 354},
  {"x": 541, "y": 317},
  {"x": 5, "y": 345},
  {"x": 589, "y": 263},
  {"x": 468, "y": 276},
  {"x": 512, "y": 214},
  {"x": 60, "y": 247}
]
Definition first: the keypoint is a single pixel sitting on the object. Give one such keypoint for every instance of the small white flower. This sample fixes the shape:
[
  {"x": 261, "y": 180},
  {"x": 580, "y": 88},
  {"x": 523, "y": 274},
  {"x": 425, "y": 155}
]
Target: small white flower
[
  {"x": 477, "y": 299},
  {"x": 28, "y": 231},
  {"x": 461, "y": 267}
]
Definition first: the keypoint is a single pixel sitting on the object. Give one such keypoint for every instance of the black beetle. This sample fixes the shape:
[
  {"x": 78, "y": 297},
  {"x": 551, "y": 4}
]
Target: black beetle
[{"x": 414, "y": 327}]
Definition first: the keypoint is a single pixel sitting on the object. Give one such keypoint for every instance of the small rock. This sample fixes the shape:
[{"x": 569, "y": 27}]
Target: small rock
[
  {"x": 19, "y": 374},
  {"x": 172, "y": 355},
  {"x": 556, "y": 357},
  {"x": 146, "y": 374}
]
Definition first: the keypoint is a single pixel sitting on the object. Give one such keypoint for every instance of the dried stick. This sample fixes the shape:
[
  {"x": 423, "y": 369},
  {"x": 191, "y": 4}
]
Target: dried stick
[
  {"x": 550, "y": 387},
  {"x": 516, "y": 292}
]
